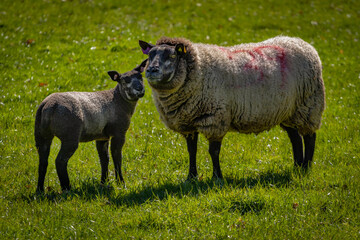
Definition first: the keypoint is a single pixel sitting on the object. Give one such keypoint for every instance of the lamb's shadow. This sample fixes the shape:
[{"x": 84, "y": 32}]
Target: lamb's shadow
[{"x": 92, "y": 189}]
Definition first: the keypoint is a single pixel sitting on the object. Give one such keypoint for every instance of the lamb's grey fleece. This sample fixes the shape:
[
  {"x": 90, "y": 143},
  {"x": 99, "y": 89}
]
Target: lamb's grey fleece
[{"x": 247, "y": 88}]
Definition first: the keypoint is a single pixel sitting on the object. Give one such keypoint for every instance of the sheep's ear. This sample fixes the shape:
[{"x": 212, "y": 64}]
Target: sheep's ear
[
  {"x": 114, "y": 75},
  {"x": 180, "y": 48},
  {"x": 145, "y": 47},
  {"x": 141, "y": 67}
]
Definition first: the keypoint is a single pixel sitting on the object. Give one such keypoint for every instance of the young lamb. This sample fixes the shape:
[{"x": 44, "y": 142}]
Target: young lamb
[
  {"x": 76, "y": 117},
  {"x": 247, "y": 88}
]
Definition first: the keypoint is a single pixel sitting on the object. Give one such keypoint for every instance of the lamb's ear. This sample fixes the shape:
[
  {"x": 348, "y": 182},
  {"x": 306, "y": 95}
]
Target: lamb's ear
[
  {"x": 114, "y": 75},
  {"x": 141, "y": 67},
  {"x": 145, "y": 47},
  {"x": 180, "y": 48}
]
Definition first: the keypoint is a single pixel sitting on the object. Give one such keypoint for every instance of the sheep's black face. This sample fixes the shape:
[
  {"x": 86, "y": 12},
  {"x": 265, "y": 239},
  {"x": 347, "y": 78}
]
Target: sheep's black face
[
  {"x": 131, "y": 83},
  {"x": 163, "y": 62}
]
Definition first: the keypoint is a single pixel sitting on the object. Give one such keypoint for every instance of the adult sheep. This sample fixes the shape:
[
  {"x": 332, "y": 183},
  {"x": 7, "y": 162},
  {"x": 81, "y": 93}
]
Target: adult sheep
[
  {"x": 247, "y": 88},
  {"x": 76, "y": 117}
]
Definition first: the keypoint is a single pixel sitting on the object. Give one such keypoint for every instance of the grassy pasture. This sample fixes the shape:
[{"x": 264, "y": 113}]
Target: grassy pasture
[{"x": 48, "y": 46}]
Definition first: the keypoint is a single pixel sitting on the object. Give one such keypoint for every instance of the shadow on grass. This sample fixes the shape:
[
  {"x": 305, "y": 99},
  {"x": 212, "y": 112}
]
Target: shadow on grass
[
  {"x": 196, "y": 187},
  {"x": 93, "y": 190}
]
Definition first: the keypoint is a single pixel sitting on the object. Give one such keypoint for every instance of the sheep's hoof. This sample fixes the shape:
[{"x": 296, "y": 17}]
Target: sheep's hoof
[
  {"x": 191, "y": 178},
  {"x": 301, "y": 169},
  {"x": 217, "y": 176},
  {"x": 39, "y": 191},
  {"x": 65, "y": 192},
  {"x": 106, "y": 186},
  {"x": 66, "y": 189}
]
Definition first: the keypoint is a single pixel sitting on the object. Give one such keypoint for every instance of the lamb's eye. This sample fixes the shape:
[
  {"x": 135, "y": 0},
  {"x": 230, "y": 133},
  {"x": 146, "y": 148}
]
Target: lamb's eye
[
  {"x": 173, "y": 56},
  {"x": 127, "y": 80}
]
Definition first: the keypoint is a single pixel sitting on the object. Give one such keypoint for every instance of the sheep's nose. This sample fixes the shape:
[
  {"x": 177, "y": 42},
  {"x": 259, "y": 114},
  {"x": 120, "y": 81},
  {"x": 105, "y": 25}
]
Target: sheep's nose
[{"x": 153, "y": 69}]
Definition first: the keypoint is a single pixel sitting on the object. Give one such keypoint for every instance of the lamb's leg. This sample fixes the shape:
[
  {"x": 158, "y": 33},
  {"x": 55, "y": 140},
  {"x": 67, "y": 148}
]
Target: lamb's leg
[
  {"x": 103, "y": 151},
  {"x": 66, "y": 151},
  {"x": 297, "y": 144},
  {"x": 191, "y": 141},
  {"x": 214, "y": 150},
  {"x": 116, "y": 152},
  {"x": 43, "y": 148},
  {"x": 309, "y": 141}
]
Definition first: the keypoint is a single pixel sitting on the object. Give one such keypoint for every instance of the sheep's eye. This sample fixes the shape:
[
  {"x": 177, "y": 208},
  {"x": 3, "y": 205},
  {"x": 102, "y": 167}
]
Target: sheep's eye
[
  {"x": 173, "y": 56},
  {"x": 127, "y": 80}
]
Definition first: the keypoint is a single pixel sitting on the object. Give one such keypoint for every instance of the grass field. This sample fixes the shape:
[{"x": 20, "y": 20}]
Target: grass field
[{"x": 52, "y": 45}]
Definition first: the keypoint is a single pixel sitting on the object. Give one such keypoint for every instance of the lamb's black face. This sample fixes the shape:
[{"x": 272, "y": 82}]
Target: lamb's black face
[
  {"x": 163, "y": 62},
  {"x": 131, "y": 83}
]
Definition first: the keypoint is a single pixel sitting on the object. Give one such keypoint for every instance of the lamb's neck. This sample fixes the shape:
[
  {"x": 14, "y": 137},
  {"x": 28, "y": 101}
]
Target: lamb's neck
[{"x": 120, "y": 98}]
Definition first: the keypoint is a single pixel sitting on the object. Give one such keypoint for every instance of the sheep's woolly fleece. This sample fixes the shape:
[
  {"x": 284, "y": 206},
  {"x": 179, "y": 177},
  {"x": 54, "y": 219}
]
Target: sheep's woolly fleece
[{"x": 247, "y": 88}]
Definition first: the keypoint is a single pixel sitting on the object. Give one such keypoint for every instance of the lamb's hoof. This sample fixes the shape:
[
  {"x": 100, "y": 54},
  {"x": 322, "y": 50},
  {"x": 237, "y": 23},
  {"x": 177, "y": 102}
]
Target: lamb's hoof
[{"x": 121, "y": 184}]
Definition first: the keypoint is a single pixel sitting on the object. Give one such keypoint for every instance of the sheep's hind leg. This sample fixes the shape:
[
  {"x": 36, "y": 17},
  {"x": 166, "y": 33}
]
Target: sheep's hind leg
[
  {"x": 67, "y": 149},
  {"x": 297, "y": 145},
  {"x": 103, "y": 151},
  {"x": 214, "y": 150},
  {"x": 116, "y": 152},
  {"x": 191, "y": 141},
  {"x": 309, "y": 141},
  {"x": 43, "y": 148}
]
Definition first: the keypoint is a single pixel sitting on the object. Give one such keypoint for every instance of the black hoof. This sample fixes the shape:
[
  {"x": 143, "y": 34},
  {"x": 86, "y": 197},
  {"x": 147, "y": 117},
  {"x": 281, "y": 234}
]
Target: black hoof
[
  {"x": 66, "y": 188},
  {"x": 218, "y": 176},
  {"x": 191, "y": 178},
  {"x": 39, "y": 190}
]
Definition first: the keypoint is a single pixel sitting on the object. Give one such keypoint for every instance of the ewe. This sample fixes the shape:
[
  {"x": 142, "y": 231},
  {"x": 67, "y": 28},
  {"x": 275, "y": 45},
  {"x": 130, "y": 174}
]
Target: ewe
[{"x": 249, "y": 88}]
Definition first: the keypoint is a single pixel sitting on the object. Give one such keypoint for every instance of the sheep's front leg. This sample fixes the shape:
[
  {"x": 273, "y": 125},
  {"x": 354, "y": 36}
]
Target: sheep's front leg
[
  {"x": 214, "y": 150},
  {"x": 191, "y": 141},
  {"x": 309, "y": 141},
  {"x": 116, "y": 152},
  {"x": 103, "y": 151},
  {"x": 66, "y": 151}
]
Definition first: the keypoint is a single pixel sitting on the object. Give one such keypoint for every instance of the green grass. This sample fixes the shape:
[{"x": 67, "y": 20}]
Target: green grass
[{"x": 51, "y": 46}]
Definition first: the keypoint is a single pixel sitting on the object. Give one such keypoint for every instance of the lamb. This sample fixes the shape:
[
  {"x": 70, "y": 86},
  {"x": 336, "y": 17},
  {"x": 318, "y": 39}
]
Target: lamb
[
  {"x": 76, "y": 117},
  {"x": 248, "y": 88}
]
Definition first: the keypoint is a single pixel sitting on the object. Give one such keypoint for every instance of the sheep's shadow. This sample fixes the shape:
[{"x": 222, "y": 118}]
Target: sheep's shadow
[
  {"x": 198, "y": 187},
  {"x": 92, "y": 189}
]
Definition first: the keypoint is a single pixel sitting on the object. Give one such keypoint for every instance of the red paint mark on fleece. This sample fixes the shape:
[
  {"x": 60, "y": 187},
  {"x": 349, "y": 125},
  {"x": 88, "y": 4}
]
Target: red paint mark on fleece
[
  {"x": 280, "y": 57},
  {"x": 258, "y": 52}
]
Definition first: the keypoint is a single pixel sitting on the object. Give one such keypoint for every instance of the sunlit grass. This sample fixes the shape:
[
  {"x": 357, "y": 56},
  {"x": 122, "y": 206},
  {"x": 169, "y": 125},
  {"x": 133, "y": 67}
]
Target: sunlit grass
[{"x": 51, "y": 46}]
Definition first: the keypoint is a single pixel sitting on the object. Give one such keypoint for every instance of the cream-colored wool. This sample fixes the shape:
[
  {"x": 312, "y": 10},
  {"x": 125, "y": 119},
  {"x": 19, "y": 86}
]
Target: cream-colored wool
[{"x": 247, "y": 88}]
